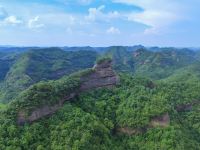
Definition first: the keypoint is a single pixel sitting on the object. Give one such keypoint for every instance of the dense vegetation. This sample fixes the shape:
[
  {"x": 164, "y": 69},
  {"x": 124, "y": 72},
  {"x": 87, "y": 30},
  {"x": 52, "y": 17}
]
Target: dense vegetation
[
  {"x": 152, "y": 84},
  {"x": 155, "y": 65},
  {"x": 40, "y": 65},
  {"x": 46, "y": 93},
  {"x": 6, "y": 60},
  {"x": 92, "y": 120}
]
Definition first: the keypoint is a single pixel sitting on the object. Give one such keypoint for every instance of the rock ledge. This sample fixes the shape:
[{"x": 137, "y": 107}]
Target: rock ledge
[{"x": 101, "y": 76}]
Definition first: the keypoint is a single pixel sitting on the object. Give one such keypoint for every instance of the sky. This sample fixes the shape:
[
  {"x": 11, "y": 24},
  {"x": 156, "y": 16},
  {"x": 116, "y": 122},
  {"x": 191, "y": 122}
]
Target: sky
[{"x": 100, "y": 22}]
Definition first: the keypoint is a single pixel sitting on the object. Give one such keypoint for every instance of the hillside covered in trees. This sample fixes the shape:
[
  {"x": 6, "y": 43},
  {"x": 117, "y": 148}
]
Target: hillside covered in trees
[
  {"x": 155, "y": 104},
  {"x": 23, "y": 69}
]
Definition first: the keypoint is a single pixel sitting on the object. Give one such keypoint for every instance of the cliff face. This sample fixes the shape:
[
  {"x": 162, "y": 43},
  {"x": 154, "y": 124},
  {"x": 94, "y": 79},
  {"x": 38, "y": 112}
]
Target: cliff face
[
  {"x": 188, "y": 106},
  {"x": 101, "y": 76},
  {"x": 161, "y": 121}
]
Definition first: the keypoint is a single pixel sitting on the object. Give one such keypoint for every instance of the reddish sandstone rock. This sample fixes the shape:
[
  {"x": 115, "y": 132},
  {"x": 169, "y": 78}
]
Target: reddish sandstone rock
[{"x": 102, "y": 76}]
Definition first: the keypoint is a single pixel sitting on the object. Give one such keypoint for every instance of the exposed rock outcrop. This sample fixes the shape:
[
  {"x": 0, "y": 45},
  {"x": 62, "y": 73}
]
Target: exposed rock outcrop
[
  {"x": 42, "y": 112},
  {"x": 188, "y": 106},
  {"x": 101, "y": 76},
  {"x": 158, "y": 121},
  {"x": 130, "y": 131}
]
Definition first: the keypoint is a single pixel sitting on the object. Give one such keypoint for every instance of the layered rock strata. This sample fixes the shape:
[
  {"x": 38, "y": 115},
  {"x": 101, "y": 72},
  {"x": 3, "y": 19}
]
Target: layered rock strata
[{"x": 101, "y": 76}]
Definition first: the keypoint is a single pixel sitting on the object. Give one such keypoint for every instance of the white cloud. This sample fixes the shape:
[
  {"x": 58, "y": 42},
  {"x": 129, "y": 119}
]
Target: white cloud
[
  {"x": 113, "y": 14},
  {"x": 12, "y": 20},
  {"x": 97, "y": 14},
  {"x": 34, "y": 23},
  {"x": 60, "y": 20},
  {"x": 158, "y": 15},
  {"x": 5, "y": 19},
  {"x": 156, "y": 20},
  {"x": 113, "y": 30}
]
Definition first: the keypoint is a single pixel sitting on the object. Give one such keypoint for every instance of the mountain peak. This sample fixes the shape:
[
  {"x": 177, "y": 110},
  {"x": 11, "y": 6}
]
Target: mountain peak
[{"x": 102, "y": 75}]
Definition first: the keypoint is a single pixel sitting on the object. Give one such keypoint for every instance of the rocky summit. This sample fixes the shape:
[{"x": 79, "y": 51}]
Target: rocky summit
[{"x": 102, "y": 75}]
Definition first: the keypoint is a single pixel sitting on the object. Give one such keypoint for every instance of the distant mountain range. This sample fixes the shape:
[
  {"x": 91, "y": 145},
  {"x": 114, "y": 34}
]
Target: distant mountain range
[{"x": 24, "y": 66}]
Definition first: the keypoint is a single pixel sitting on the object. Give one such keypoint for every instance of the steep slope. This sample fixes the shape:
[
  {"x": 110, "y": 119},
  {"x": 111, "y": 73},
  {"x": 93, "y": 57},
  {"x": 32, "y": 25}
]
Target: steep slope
[
  {"x": 45, "y": 98},
  {"x": 122, "y": 58},
  {"x": 43, "y": 64},
  {"x": 136, "y": 114},
  {"x": 158, "y": 65},
  {"x": 189, "y": 73},
  {"x": 153, "y": 64},
  {"x": 6, "y": 61},
  {"x": 52, "y": 63}
]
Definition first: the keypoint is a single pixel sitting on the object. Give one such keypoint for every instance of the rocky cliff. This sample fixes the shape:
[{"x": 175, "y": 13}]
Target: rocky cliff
[
  {"x": 102, "y": 75},
  {"x": 187, "y": 106},
  {"x": 161, "y": 121}
]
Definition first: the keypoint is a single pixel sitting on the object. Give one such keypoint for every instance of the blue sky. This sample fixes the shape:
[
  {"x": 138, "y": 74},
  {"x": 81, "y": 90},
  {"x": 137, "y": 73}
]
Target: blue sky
[{"x": 100, "y": 22}]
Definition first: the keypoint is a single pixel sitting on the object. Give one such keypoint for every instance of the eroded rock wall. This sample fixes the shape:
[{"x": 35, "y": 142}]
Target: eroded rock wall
[{"x": 102, "y": 76}]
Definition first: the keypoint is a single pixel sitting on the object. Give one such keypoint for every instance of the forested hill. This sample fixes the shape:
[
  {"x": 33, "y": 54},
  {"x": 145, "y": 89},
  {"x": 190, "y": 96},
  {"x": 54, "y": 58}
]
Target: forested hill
[
  {"x": 153, "y": 64},
  {"x": 22, "y": 67},
  {"x": 154, "y": 106},
  {"x": 36, "y": 65},
  {"x": 136, "y": 114}
]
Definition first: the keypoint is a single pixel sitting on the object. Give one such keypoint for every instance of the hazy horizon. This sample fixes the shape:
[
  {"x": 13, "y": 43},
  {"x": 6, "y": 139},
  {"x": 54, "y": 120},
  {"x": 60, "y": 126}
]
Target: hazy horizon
[
  {"x": 100, "y": 23},
  {"x": 21, "y": 46}
]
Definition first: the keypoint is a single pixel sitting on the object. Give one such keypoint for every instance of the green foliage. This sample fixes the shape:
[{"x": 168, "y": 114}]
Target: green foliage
[
  {"x": 155, "y": 65},
  {"x": 93, "y": 119},
  {"x": 122, "y": 59},
  {"x": 6, "y": 60},
  {"x": 103, "y": 59},
  {"x": 2, "y": 107},
  {"x": 41, "y": 65},
  {"x": 140, "y": 102},
  {"x": 46, "y": 93},
  {"x": 70, "y": 128}
]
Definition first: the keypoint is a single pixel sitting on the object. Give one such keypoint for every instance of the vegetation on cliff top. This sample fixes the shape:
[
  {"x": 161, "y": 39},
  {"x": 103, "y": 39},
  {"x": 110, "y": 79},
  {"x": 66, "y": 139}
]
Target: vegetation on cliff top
[
  {"x": 41, "y": 65},
  {"x": 93, "y": 119}
]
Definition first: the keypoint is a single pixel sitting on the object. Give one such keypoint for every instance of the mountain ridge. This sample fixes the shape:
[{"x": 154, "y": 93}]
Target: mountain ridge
[
  {"x": 100, "y": 76},
  {"x": 155, "y": 105}
]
